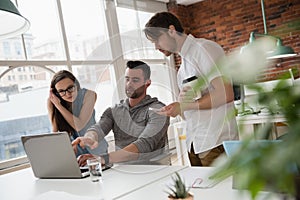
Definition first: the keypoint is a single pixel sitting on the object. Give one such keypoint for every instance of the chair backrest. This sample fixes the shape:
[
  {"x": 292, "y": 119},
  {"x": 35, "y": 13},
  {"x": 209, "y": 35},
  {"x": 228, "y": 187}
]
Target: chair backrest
[{"x": 177, "y": 129}]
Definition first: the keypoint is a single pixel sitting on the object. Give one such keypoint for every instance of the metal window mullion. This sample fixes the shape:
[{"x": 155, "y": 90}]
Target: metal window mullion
[
  {"x": 5, "y": 63},
  {"x": 115, "y": 43},
  {"x": 63, "y": 32}
]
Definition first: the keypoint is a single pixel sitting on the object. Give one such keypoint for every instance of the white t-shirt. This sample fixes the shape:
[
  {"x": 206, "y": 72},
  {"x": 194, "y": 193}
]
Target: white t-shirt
[{"x": 206, "y": 129}]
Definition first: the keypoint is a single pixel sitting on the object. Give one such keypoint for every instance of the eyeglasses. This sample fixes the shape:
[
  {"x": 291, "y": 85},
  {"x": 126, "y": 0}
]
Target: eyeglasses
[{"x": 70, "y": 90}]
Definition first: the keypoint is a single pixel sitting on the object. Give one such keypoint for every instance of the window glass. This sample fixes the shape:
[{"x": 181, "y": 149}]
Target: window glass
[
  {"x": 98, "y": 78},
  {"x": 24, "y": 89},
  {"x": 23, "y": 101},
  {"x": 23, "y": 95},
  {"x": 43, "y": 39},
  {"x": 134, "y": 43},
  {"x": 18, "y": 48},
  {"x": 136, "y": 46},
  {"x": 160, "y": 85},
  {"x": 85, "y": 28},
  {"x": 6, "y": 48}
]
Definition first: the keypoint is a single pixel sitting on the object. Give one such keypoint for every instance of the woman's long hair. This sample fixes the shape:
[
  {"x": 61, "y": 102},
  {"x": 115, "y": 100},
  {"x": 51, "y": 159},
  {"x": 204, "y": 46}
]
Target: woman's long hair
[{"x": 62, "y": 124}]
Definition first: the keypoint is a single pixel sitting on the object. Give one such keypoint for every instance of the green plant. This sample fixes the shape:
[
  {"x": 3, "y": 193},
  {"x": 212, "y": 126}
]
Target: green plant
[
  {"x": 259, "y": 167},
  {"x": 274, "y": 167},
  {"x": 178, "y": 189}
]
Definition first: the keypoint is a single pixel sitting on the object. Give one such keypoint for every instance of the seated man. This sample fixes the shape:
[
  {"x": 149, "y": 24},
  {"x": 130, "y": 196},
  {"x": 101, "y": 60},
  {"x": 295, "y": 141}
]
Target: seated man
[{"x": 140, "y": 133}]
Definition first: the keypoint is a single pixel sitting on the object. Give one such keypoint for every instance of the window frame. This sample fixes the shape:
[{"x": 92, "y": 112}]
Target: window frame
[{"x": 112, "y": 27}]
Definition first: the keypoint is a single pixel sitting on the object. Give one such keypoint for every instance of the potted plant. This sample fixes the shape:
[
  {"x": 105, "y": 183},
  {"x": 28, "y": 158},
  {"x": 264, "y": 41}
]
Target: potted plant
[{"x": 178, "y": 190}]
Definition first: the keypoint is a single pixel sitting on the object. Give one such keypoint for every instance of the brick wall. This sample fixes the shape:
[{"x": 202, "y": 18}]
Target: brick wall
[{"x": 229, "y": 23}]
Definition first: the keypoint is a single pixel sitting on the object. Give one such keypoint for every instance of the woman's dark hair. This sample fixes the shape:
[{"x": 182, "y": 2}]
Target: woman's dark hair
[
  {"x": 62, "y": 124},
  {"x": 160, "y": 23},
  {"x": 136, "y": 64}
]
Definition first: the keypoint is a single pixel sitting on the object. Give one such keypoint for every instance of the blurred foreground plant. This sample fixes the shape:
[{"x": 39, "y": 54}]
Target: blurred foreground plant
[
  {"x": 273, "y": 166},
  {"x": 264, "y": 166}
]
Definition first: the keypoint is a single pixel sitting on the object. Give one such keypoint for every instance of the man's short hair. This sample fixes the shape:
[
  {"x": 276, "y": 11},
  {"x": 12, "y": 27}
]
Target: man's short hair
[
  {"x": 137, "y": 64},
  {"x": 160, "y": 23}
]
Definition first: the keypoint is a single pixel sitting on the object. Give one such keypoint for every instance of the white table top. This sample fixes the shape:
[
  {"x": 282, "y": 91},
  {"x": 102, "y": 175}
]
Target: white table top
[
  {"x": 117, "y": 181},
  {"x": 222, "y": 190},
  {"x": 132, "y": 182},
  {"x": 260, "y": 118}
]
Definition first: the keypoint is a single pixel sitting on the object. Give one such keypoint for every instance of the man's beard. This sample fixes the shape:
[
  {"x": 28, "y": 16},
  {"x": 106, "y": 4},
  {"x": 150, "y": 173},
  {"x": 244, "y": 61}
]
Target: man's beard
[
  {"x": 165, "y": 52},
  {"x": 136, "y": 93}
]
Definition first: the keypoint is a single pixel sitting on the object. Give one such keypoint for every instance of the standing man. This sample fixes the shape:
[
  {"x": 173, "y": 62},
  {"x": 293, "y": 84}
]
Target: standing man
[
  {"x": 210, "y": 118},
  {"x": 139, "y": 132}
]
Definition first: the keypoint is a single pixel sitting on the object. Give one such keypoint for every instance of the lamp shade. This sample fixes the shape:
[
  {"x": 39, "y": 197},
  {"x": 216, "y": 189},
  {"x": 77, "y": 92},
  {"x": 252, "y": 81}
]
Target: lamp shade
[
  {"x": 12, "y": 22},
  {"x": 278, "y": 51},
  {"x": 281, "y": 51}
]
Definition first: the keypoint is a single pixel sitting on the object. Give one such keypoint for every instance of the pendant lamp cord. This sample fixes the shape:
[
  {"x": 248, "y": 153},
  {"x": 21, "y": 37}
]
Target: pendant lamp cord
[{"x": 264, "y": 16}]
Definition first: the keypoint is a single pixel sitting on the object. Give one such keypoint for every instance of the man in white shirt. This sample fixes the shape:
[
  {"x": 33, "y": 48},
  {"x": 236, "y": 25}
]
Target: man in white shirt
[{"x": 210, "y": 119}]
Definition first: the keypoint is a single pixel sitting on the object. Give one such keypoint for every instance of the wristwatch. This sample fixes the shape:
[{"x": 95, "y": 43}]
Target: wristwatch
[{"x": 106, "y": 158}]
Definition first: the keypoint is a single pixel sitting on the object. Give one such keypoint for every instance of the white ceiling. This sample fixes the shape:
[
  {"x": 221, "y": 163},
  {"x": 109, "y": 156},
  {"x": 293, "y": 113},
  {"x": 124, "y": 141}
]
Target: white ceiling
[
  {"x": 187, "y": 2},
  {"x": 182, "y": 2}
]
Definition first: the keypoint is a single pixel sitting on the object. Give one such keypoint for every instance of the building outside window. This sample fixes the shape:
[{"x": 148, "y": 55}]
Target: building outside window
[{"x": 90, "y": 38}]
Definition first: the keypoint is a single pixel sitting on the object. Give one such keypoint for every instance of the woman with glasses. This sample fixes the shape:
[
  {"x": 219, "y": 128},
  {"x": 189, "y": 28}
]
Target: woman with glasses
[{"x": 71, "y": 109}]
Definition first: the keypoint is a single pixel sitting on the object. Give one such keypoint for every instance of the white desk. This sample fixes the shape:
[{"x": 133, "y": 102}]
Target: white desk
[
  {"x": 222, "y": 190},
  {"x": 117, "y": 181},
  {"x": 248, "y": 124},
  {"x": 260, "y": 118},
  {"x": 133, "y": 182}
]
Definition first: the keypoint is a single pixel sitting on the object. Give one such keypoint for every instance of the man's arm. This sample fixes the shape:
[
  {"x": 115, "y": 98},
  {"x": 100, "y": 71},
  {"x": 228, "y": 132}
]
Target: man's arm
[
  {"x": 221, "y": 94},
  {"x": 129, "y": 152},
  {"x": 96, "y": 132},
  {"x": 154, "y": 133},
  {"x": 90, "y": 139}
]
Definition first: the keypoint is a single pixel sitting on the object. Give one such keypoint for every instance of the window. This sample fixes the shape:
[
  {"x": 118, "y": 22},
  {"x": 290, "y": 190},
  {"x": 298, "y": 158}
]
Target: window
[
  {"x": 18, "y": 49},
  {"x": 80, "y": 36},
  {"x": 85, "y": 26},
  {"x": 44, "y": 38},
  {"x": 98, "y": 78},
  {"x": 6, "y": 48},
  {"x": 134, "y": 44}
]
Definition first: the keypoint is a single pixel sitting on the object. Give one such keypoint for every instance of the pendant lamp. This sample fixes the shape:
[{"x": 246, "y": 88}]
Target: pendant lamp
[
  {"x": 12, "y": 22},
  {"x": 280, "y": 51}
]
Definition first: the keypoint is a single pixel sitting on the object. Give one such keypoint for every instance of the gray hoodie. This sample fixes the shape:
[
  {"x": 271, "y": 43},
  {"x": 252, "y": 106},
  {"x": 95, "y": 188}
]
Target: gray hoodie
[{"x": 138, "y": 125}]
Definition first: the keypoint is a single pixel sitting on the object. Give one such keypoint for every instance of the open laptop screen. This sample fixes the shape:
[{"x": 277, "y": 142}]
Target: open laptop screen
[{"x": 51, "y": 155}]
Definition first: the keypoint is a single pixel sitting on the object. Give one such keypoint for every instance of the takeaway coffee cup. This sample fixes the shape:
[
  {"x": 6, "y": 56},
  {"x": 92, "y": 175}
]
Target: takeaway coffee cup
[{"x": 191, "y": 82}]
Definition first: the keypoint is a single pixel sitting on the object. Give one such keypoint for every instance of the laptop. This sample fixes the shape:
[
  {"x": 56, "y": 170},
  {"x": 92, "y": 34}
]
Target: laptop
[{"x": 51, "y": 156}]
